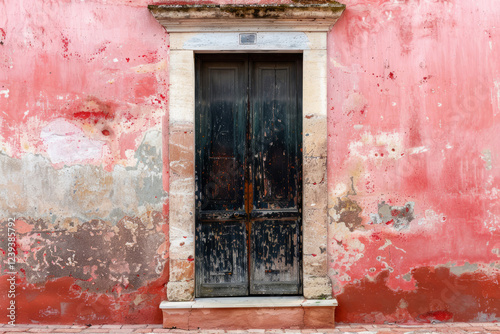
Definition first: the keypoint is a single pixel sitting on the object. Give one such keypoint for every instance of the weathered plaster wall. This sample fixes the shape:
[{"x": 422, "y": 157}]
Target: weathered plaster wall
[
  {"x": 83, "y": 92},
  {"x": 413, "y": 164},
  {"x": 414, "y": 133}
]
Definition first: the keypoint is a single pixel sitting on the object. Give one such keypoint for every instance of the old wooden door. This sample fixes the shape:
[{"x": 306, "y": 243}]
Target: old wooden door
[{"x": 248, "y": 174}]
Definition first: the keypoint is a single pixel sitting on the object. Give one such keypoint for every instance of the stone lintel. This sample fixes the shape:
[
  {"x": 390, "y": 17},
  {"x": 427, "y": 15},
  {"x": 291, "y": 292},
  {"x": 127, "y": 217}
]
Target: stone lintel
[{"x": 289, "y": 17}]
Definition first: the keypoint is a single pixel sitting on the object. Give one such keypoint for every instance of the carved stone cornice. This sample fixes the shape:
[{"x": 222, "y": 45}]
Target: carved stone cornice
[{"x": 310, "y": 16}]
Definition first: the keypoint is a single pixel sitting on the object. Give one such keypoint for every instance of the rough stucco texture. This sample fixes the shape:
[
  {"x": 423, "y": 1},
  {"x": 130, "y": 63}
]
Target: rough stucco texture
[
  {"x": 413, "y": 160},
  {"x": 83, "y": 92},
  {"x": 414, "y": 177}
]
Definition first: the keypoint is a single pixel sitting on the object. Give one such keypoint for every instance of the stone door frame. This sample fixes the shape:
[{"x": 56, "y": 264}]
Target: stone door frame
[{"x": 250, "y": 28}]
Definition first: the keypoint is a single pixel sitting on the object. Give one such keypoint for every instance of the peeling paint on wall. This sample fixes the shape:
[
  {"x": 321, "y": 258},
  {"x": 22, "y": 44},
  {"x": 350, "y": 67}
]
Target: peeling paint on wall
[
  {"x": 439, "y": 296},
  {"x": 397, "y": 216},
  {"x": 67, "y": 143},
  {"x": 349, "y": 212},
  {"x": 99, "y": 256},
  {"x": 83, "y": 97},
  {"x": 35, "y": 189},
  {"x": 421, "y": 158}
]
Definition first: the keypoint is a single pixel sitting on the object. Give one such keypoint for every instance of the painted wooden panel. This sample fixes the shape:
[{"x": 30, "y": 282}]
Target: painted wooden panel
[
  {"x": 221, "y": 266},
  {"x": 275, "y": 263},
  {"x": 248, "y": 175},
  {"x": 220, "y": 135},
  {"x": 275, "y": 148},
  {"x": 221, "y": 250}
]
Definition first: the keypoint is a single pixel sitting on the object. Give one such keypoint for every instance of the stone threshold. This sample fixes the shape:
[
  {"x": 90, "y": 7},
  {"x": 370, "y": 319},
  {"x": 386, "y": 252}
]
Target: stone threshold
[
  {"x": 249, "y": 312},
  {"x": 249, "y": 302}
]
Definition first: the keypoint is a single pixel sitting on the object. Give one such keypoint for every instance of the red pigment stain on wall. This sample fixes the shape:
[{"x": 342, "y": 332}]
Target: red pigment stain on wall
[
  {"x": 439, "y": 296},
  {"x": 62, "y": 301},
  {"x": 94, "y": 110}
]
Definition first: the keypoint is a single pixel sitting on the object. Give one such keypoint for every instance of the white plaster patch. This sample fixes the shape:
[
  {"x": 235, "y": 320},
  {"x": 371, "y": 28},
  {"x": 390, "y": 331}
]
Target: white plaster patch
[
  {"x": 351, "y": 248},
  {"x": 385, "y": 245},
  {"x": 492, "y": 192},
  {"x": 418, "y": 150},
  {"x": 491, "y": 222},
  {"x": 497, "y": 95},
  {"x": 371, "y": 146},
  {"x": 389, "y": 243},
  {"x": 430, "y": 219},
  {"x": 265, "y": 41},
  {"x": 66, "y": 143},
  {"x": 5, "y": 93},
  {"x": 340, "y": 190},
  {"x": 486, "y": 156},
  {"x": 4, "y": 146}
]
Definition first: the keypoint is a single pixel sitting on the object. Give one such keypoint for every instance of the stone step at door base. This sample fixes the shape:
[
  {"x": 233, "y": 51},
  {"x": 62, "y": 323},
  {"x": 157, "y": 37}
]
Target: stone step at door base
[{"x": 293, "y": 312}]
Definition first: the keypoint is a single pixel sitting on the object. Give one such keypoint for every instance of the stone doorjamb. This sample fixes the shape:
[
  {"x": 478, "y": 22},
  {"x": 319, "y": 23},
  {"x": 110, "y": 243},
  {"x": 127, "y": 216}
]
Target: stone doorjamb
[{"x": 247, "y": 28}]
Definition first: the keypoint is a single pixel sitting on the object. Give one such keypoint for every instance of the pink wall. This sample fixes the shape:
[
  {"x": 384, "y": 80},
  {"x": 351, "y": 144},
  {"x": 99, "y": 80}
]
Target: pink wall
[
  {"x": 414, "y": 99},
  {"x": 83, "y": 91},
  {"x": 414, "y": 120}
]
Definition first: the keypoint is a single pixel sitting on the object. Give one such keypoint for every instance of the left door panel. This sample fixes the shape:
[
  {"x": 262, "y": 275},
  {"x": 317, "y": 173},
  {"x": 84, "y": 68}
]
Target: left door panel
[{"x": 221, "y": 245}]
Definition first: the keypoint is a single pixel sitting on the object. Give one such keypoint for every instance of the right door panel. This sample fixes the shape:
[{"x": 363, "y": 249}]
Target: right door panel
[{"x": 275, "y": 155}]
